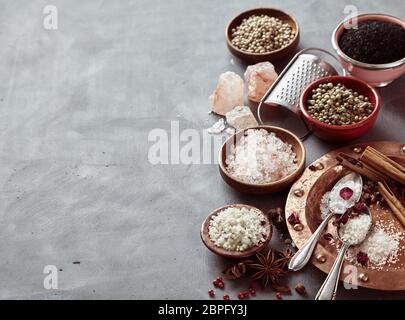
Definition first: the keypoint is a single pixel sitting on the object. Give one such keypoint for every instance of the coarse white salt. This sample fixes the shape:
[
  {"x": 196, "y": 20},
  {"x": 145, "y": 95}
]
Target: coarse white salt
[
  {"x": 217, "y": 127},
  {"x": 237, "y": 229},
  {"x": 324, "y": 205},
  {"x": 382, "y": 246},
  {"x": 260, "y": 157},
  {"x": 339, "y": 205},
  {"x": 355, "y": 230}
]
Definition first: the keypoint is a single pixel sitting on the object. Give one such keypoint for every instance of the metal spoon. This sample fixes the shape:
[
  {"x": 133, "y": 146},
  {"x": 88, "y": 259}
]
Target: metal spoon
[
  {"x": 329, "y": 287},
  {"x": 302, "y": 256}
]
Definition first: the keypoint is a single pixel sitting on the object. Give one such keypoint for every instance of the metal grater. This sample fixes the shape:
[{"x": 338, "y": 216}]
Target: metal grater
[{"x": 307, "y": 66}]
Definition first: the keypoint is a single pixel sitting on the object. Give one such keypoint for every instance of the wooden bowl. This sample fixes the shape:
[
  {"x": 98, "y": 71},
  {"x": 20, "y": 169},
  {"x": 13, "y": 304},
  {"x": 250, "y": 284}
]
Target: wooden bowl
[
  {"x": 269, "y": 56},
  {"x": 263, "y": 188},
  {"x": 234, "y": 254}
]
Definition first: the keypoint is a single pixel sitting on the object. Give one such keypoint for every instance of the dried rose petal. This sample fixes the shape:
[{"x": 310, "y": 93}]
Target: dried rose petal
[
  {"x": 360, "y": 207},
  {"x": 293, "y": 219},
  {"x": 344, "y": 218},
  {"x": 346, "y": 193},
  {"x": 362, "y": 258}
]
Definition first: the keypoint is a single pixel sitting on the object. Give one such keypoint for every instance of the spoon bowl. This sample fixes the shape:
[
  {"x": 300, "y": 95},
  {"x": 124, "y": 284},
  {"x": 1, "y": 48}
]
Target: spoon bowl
[
  {"x": 329, "y": 287},
  {"x": 302, "y": 256}
]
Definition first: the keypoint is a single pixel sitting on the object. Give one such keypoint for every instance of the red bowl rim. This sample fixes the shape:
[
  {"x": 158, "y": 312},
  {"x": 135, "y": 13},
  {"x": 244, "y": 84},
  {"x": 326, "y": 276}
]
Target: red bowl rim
[{"x": 335, "y": 79}]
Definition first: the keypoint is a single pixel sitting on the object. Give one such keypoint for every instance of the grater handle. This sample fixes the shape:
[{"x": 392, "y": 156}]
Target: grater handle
[{"x": 302, "y": 137}]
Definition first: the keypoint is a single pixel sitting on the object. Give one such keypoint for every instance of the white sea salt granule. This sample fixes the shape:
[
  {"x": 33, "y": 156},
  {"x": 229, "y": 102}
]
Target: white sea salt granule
[
  {"x": 237, "y": 229},
  {"x": 324, "y": 205},
  {"x": 217, "y": 127},
  {"x": 356, "y": 229},
  {"x": 382, "y": 247},
  {"x": 260, "y": 157},
  {"x": 337, "y": 203}
]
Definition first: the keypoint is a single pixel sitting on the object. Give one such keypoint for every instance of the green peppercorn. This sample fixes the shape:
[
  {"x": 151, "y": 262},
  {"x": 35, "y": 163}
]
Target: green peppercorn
[{"x": 338, "y": 105}]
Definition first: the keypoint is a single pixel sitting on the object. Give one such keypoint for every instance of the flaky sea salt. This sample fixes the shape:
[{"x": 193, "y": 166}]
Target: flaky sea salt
[
  {"x": 237, "y": 229},
  {"x": 355, "y": 230},
  {"x": 217, "y": 127},
  {"x": 339, "y": 205},
  {"x": 382, "y": 247},
  {"x": 324, "y": 205},
  {"x": 260, "y": 157}
]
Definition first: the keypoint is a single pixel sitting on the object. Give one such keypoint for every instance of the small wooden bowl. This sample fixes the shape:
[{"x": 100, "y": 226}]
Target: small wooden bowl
[
  {"x": 234, "y": 254},
  {"x": 269, "y": 56},
  {"x": 285, "y": 136}
]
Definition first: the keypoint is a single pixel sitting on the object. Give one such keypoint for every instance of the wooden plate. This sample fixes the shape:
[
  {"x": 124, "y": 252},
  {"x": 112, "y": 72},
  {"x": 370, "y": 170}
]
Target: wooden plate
[
  {"x": 234, "y": 254},
  {"x": 304, "y": 199}
]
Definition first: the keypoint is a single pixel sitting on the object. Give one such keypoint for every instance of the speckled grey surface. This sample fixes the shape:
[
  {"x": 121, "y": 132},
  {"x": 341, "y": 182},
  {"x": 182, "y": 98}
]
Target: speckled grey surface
[{"x": 77, "y": 105}]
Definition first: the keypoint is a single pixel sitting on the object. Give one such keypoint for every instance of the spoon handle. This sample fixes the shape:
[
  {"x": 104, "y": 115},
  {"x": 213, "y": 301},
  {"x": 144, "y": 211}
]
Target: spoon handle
[
  {"x": 329, "y": 287},
  {"x": 302, "y": 256}
]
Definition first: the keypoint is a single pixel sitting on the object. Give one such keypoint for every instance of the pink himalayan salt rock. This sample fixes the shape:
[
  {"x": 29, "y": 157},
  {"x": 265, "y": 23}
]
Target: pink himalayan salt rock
[
  {"x": 241, "y": 118},
  {"x": 228, "y": 93},
  {"x": 258, "y": 79}
]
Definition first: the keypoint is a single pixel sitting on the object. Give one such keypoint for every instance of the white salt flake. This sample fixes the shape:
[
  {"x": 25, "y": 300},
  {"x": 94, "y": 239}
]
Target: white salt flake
[
  {"x": 230, "y": 130},
  {"x": 260, "y": 157},
  {"x": 237, "y": 229},
  {"x": 217, "y": 127},
  {"x": 336, "y": 203},
  {"x": 381, "y": 246},
  {"x": 356, "y": 229}
]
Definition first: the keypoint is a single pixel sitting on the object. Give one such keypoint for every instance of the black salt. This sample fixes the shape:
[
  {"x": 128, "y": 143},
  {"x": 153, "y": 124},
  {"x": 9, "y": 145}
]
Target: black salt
[{"x": 374, "y": 42}]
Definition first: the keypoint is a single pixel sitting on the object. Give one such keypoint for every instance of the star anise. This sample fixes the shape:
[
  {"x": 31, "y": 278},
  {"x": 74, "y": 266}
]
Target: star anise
[
  {"x": 285, "y": 257},
  {"x": 269, "y": 267}
]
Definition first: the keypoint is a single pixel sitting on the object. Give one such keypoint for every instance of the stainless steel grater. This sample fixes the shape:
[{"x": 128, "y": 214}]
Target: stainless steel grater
[{"x": 307, "y": 66}]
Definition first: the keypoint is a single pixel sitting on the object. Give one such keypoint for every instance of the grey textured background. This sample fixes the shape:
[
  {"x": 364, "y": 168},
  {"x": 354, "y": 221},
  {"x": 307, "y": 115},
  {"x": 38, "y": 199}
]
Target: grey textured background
[{"x": 77, "y": 105}]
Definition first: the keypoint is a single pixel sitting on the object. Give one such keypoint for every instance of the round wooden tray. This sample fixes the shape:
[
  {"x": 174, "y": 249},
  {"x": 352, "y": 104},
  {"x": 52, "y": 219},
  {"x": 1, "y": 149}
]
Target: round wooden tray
[{"x": 304, "y": 199}]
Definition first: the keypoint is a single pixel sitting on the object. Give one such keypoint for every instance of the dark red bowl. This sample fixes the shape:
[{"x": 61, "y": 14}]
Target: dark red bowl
[{"x": 341, "y": 133}]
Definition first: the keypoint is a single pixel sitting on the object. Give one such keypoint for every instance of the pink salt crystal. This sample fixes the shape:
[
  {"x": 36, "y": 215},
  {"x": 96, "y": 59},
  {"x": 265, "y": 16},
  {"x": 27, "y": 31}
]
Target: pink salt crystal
[
  {"x": 258, "y": 79},
  {"x": 228, "y": 94},
  {"x": 241, "y": 118}
]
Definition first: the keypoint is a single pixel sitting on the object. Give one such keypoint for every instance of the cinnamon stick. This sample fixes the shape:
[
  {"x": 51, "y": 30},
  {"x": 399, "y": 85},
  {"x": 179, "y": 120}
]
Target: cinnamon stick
[
  {"x": 383, "y": 164},
  {"x": 395, "y": 205},
  {"x": 361, "y": 168},
  {"x": 389, "y": 160}
]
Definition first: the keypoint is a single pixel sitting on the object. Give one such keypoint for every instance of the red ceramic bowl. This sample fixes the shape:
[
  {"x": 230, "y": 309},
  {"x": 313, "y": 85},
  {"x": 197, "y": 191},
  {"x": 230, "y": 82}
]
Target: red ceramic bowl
[{"x": 341, "y": 133}]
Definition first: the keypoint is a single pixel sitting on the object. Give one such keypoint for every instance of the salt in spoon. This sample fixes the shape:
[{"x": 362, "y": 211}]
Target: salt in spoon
[
  {"x": 302, "y": 256},
  {"x": 329, "y": 287}
]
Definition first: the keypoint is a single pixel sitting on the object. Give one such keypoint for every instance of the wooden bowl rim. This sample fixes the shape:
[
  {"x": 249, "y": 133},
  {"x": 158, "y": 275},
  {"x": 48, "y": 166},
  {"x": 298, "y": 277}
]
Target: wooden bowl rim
[
  {"x": 252, "y": 11},
  {"x": 234, "y": 254},
  {"x": 274, "y": 129}
]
